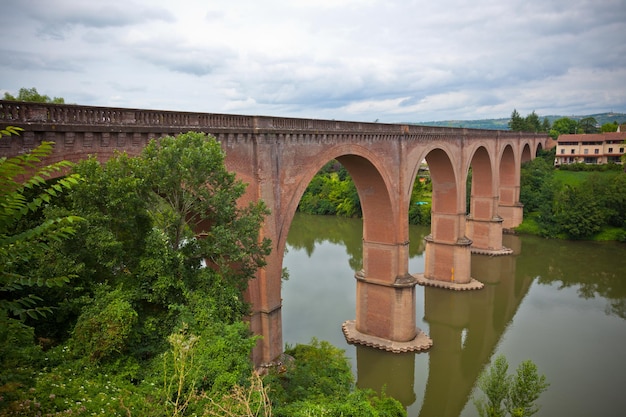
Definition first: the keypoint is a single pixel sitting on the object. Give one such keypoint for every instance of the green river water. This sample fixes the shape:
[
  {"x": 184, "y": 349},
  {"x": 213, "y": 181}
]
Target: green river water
[{"x": 560, "y": 304}]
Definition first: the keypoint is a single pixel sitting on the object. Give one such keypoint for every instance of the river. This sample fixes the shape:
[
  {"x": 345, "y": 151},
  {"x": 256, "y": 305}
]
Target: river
[{"x": 560, "y": 304}]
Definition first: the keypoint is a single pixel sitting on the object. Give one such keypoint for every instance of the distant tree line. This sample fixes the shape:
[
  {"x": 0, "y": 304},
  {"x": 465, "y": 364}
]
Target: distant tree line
[
  {"x": 562, "y": 126},
  {"x": 31, "y": 95}
]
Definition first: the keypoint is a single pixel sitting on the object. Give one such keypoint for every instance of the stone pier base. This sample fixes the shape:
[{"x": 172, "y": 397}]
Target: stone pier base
[
  {"x": 420, "y": 342},
  {"x": 449, "y": 285},
  {"x": 492, "y": 252}
]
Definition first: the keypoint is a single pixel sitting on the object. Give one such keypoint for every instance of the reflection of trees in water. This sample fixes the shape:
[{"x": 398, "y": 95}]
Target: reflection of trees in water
[
  {"x": 307, "y": 230},
  {"x": 597, "y": 268}
]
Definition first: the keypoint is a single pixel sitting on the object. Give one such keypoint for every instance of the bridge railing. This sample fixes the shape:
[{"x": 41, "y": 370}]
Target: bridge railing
[
  {"x": 24, "y": 113},
  {"x": 68, "y": 114}
]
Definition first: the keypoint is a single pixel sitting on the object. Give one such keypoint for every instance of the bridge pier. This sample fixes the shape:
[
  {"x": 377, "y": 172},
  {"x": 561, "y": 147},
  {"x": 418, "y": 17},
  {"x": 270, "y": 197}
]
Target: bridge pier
[
  {"x": 385, "y": 302},
  {"x": 512, "y": 214},
  {"x": 486, "y": 236}
]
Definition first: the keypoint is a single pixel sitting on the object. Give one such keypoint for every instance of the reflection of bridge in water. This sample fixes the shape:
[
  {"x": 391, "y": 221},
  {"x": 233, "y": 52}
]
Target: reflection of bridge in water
[{"x": 467, "y": 327}]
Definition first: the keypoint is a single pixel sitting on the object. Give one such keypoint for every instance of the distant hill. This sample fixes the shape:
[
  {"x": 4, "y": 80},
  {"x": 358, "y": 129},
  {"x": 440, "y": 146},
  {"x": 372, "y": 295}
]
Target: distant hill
[{"x": 502, "y": 124}]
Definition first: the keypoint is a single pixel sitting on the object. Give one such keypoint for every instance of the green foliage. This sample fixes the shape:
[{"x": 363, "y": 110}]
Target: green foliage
[
  {"x": 609, "y": 127},
  {"x": 104, "y": 327},
  {"x": 420, "y": 204},
  {"x": 515, "y": 395},
  {"x": 138, "y": 261},
  {"x": 577, "y": 213},
  {"x": 537, "y": 186},
  {"x": 574, "y": 204},
  {"x": 243, "y": 401},
  {"x": 31, "y": 94},
  {"x": 319, "y": 382},
  {"x": 23, "y": 192},
  {"x": 588, "y": 125},
  {"x": 564, "y": 125},
  {"x": 525, "y": 388},
  {"x": 495, "y": 384},
  {"x": 319, "y": 370},
  {"x": 530, "y": 123},
  {"x": 331, "y": 192}
]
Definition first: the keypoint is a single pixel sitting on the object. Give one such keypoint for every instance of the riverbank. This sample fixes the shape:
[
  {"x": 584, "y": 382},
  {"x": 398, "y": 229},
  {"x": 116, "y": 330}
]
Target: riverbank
[{"x": 530, "y": 226}]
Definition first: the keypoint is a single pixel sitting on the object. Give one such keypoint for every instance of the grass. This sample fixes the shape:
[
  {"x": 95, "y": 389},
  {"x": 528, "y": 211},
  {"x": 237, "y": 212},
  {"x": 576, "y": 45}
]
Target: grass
[
  {"x": 610, "y": 234},
  {"x": 575, "y": 178},
  {"x": 529, "y": 225}
]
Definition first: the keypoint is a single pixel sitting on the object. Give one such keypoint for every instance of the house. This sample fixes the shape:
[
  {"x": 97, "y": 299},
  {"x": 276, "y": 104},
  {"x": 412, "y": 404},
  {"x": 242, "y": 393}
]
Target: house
[{"x": 590, "y": 148}]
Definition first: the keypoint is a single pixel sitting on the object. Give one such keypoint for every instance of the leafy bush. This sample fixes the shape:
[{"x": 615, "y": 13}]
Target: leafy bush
[
  {"x": 512, "y": 394},
  {"x": 319, "y": 382},
  {"x": 104, "y": 327}
]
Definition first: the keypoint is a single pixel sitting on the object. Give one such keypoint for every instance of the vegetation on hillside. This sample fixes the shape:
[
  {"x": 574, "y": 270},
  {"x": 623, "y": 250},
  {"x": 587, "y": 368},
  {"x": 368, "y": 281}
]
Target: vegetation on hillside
[{"x": 608, "y": 122}]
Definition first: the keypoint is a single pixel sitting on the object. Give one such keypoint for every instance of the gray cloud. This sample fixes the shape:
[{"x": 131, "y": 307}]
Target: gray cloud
[{"x": 392, "y": 60}]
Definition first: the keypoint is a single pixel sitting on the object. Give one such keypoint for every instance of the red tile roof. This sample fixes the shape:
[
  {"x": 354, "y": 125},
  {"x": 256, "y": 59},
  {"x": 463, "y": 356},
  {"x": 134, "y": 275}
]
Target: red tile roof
[{"x": 593, "y": 137}]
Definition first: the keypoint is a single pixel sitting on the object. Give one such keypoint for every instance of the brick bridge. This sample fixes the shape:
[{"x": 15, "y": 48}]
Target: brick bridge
[{"x": 278, "y": 157}]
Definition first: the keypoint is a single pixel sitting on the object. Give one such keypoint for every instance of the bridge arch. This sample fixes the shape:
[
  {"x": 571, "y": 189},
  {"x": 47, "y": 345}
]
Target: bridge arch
[
  {"x": 372, "y": 182},
  {"x": 509, "y": 208},
  {"x": 527, "y": 154},
  {"x": 484, "y": 225}
]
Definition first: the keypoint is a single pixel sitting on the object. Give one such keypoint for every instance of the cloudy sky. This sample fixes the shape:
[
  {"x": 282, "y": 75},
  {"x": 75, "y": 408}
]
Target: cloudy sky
[{"x": 363, "y": 60}]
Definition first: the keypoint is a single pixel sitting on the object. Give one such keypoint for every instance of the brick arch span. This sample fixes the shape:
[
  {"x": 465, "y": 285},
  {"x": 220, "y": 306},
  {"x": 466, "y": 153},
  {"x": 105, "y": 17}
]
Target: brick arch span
[
  {"x": 372, "y": 180},
  {"x": 509, "y": 207},
  {"x": 527, "y": 154},
  {"x": 385, "y": 291},
  {"x": 484, "y": 225}
]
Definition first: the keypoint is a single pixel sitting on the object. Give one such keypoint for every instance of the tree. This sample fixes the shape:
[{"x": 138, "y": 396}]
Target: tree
[
  {"x": 588, "y": 125},
  {"x": 525, "y": 388},
  {"x": 515, "y": 395},
  {"x": 23, "y": 191},
  {"x": 166, "y": 230},
  {"x": 532, "y": 123},
  {"x": 495, "y": 384},
  {"x": 609, "y": 127},
  {"x": 562, "y": 126},
  {"x": 31, "y": 94},
  {"x": 517, "y": 122},
  {"x": 188, "y": 174}
]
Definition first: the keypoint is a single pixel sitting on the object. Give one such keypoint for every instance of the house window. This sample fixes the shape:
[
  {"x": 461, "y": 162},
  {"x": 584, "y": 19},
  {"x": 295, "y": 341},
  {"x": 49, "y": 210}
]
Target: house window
[
  {"x": 621, "y": 150},
  {"x": 563, "y": 151},
  {"x": 586, "y": 151},
  {"x": 596, "y": 151},
  {"x": 610, "y": 150},
  {"x": 572, "y": 152}
]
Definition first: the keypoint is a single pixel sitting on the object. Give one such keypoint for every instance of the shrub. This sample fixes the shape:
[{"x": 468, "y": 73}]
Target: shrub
[{"x": 515, "y": 395}]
